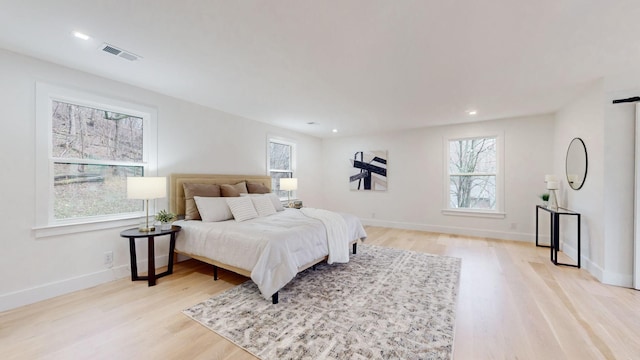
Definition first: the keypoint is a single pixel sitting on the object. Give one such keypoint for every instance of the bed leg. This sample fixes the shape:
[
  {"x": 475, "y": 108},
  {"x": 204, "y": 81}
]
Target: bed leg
[
  {"x": 215, "y": 272},
  {"x": 274, "y": 298},
  {"x": 355, "y": 248}
]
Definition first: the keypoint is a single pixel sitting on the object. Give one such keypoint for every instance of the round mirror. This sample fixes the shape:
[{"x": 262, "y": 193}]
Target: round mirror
[{"x": 576, "y": 163}]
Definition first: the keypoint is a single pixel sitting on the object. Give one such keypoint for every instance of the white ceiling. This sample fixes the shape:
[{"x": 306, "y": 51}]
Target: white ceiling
[{"x": 357, "y": 65}]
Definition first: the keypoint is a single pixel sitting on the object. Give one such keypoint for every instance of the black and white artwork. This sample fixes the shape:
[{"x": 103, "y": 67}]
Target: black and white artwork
[{"x": 369, "y": 171}]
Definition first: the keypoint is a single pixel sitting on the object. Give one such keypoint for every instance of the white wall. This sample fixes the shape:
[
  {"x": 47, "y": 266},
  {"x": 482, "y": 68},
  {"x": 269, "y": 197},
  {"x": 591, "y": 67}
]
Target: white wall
[
  {"x": 583, "y": 118},
  {"x": 618, "y": 189},
  {"x": 415, "y": 196},
  {"x": 191, "y": 138},
  {"x": 619, "y": 121},
  {"x": 606, "y": 199}
]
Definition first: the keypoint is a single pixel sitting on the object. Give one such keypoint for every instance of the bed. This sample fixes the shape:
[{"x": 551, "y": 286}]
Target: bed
[{"x": 271, "y": 249}]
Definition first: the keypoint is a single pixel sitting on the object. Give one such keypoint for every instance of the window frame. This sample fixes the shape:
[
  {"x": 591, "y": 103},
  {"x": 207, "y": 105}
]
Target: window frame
[
  {"x": 292, "y": 144},
  {"x": 45, "y": 223},
  {"x": 498, "y": 212}
]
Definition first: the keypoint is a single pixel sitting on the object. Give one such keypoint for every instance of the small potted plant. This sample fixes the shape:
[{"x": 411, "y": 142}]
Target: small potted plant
[
  {"x": 545, "y": 199},
  {"x": 165, "y": 218}
]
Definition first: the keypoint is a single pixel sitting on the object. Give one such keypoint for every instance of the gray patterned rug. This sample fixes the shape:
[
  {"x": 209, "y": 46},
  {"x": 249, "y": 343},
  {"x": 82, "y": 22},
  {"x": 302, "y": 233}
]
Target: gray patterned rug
[{"x": 384, "y": 304}]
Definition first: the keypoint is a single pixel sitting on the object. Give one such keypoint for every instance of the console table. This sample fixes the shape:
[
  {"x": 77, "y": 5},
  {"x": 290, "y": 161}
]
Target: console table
[
  {"x": 134, "y": 234},
  {"x": 554, "y": 217}
]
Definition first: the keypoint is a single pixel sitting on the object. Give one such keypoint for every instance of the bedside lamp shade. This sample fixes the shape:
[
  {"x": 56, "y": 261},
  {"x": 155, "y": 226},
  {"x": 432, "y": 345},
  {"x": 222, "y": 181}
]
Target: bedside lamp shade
[
  {"x": 146, "y": 188},
  {"x": 289, "y": 184}
]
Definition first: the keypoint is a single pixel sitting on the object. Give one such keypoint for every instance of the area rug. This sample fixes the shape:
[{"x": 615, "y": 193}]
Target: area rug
[{"x": 384, "y": 304}]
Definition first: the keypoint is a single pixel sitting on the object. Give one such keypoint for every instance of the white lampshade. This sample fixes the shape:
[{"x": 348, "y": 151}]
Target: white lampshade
[
  {"x": 548, "y": 178},
  {"x": 552, "y": 185},
  {"x": 288, "y": 184},
  {"x": 146, "y": 188}
]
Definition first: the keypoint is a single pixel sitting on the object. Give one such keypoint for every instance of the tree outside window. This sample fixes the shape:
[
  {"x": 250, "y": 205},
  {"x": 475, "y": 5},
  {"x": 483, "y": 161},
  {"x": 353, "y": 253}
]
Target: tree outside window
[{"x": 473, "y": 173}]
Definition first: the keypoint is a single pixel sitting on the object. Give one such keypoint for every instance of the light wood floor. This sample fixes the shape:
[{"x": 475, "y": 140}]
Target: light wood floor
[{"x": 512, "y": 304}]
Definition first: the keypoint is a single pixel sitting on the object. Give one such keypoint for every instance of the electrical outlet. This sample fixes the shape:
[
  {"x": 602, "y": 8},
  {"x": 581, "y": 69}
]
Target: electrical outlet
[
  {"x": 514, "y": 226},
  {"x": 108, "y": 259},
  {"x": 373, "y": 215}
]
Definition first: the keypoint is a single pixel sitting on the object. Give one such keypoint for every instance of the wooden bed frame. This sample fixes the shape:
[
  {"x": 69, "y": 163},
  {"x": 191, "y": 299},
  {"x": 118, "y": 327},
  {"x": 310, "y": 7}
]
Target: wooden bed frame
[{"x": 177, "y": 206}]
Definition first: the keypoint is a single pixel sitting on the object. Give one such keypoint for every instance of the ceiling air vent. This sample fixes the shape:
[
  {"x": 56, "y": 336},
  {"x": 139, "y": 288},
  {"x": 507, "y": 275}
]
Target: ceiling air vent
[{"x": 119, "y": 52}]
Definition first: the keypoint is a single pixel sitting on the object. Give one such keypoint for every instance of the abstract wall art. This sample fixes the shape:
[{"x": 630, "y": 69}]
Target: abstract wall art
[{"x": 369, "y": 171}]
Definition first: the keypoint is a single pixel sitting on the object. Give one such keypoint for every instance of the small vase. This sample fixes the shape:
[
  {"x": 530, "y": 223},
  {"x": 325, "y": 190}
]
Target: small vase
[
  {"x": 165, "y": 226},
  {"x": 545, "y": 203}
]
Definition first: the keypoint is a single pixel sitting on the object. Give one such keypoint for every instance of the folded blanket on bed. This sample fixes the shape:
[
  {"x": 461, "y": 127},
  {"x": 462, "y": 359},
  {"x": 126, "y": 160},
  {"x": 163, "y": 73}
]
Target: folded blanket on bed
[{"x": 337, "y": 233}]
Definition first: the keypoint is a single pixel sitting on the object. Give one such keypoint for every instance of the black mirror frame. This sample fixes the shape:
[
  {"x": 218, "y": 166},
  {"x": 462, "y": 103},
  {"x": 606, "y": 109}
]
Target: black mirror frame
[{"x": 586, "y": 163}]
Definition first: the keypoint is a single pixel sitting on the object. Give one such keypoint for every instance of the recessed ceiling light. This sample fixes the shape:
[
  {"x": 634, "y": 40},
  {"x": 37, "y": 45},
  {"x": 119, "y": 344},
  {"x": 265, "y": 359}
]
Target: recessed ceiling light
[
  {"x": 335, "y": 130},
  {"x": 80, "y": 35},
  {"x": 472, "y": 112}
]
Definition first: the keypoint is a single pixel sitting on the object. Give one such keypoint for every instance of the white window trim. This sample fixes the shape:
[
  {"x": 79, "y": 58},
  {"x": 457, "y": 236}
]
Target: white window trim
[
  {"x": 498, "y": 212},
  {"x": 45, "y": 225},
  {"x": 285, "y": 141}
]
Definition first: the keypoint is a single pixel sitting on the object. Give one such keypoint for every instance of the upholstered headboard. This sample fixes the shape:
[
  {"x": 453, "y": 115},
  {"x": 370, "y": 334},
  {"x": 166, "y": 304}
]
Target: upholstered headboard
[{"x": 176, "y": 189}]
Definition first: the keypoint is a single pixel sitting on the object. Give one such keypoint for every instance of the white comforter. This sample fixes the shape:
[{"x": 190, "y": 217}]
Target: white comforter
[{"x": 271, "y": 247}]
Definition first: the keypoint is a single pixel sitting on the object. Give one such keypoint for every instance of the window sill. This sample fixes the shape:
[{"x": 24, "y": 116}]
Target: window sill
[
  {"x": 474, "y": 213},
  {"x": 65, "y": 229}
]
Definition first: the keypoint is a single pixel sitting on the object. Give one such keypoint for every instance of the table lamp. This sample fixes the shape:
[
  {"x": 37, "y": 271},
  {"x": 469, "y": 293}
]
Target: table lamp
[
  {"x": 146, "y": 188},
  {"x": 289, "y": 184},
  {"x": 553, "y": 185}
]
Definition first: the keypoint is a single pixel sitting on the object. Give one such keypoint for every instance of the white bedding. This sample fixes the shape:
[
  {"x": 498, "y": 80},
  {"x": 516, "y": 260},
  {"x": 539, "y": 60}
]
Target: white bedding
[
  {"x": 337, "y": 231},
  {"x": 271, "y": 247}
]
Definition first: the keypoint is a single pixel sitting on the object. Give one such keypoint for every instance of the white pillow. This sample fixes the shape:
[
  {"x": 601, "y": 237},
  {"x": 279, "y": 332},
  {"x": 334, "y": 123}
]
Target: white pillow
[
  {"x": 213, "y": 209},
  {"x": 263, "y": 205},
  {"x": 242, "y": 208},
  {"x": 277, "y": 204}
]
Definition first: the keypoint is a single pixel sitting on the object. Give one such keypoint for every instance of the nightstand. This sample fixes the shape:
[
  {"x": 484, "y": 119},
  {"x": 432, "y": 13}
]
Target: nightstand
[{"x": 134, "y": 234}]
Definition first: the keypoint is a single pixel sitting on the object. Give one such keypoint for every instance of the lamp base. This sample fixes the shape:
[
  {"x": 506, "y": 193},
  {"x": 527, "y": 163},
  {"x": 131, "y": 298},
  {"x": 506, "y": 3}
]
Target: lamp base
[
  {"x": 146, "y": 226},
  {"x": 555, "y": 204}
]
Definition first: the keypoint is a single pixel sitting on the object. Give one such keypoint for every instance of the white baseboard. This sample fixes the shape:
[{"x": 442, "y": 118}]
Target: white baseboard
[
  {"x": 605, "y": 277},
  {"x": 592, "y": 268},
  {"x": 617, "y": 279},
  {"x": 47, "y": 291},
  {"x": 502, "y": 235},
  {"x": 570, "y": 252},
  {"x": 586, "y": 263}
]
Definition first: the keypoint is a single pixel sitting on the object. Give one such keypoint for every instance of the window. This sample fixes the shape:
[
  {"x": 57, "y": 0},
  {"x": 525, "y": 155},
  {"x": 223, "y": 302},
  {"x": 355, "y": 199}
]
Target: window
[
  {"x": 280, "y": 163},
  {"x": 87, "y": 146},
  {"x": 473, "y": 179},
  {"x": 93, "y": 153}
]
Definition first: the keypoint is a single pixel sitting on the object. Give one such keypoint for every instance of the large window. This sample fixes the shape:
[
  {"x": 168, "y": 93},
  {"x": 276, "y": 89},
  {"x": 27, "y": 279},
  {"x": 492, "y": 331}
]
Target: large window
[
  {"x": 473, "y": 169},
  {"x": 87, "y": 147},
  {"x": 93, "y": 153},
  {"x": 281, "y": 163}
]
